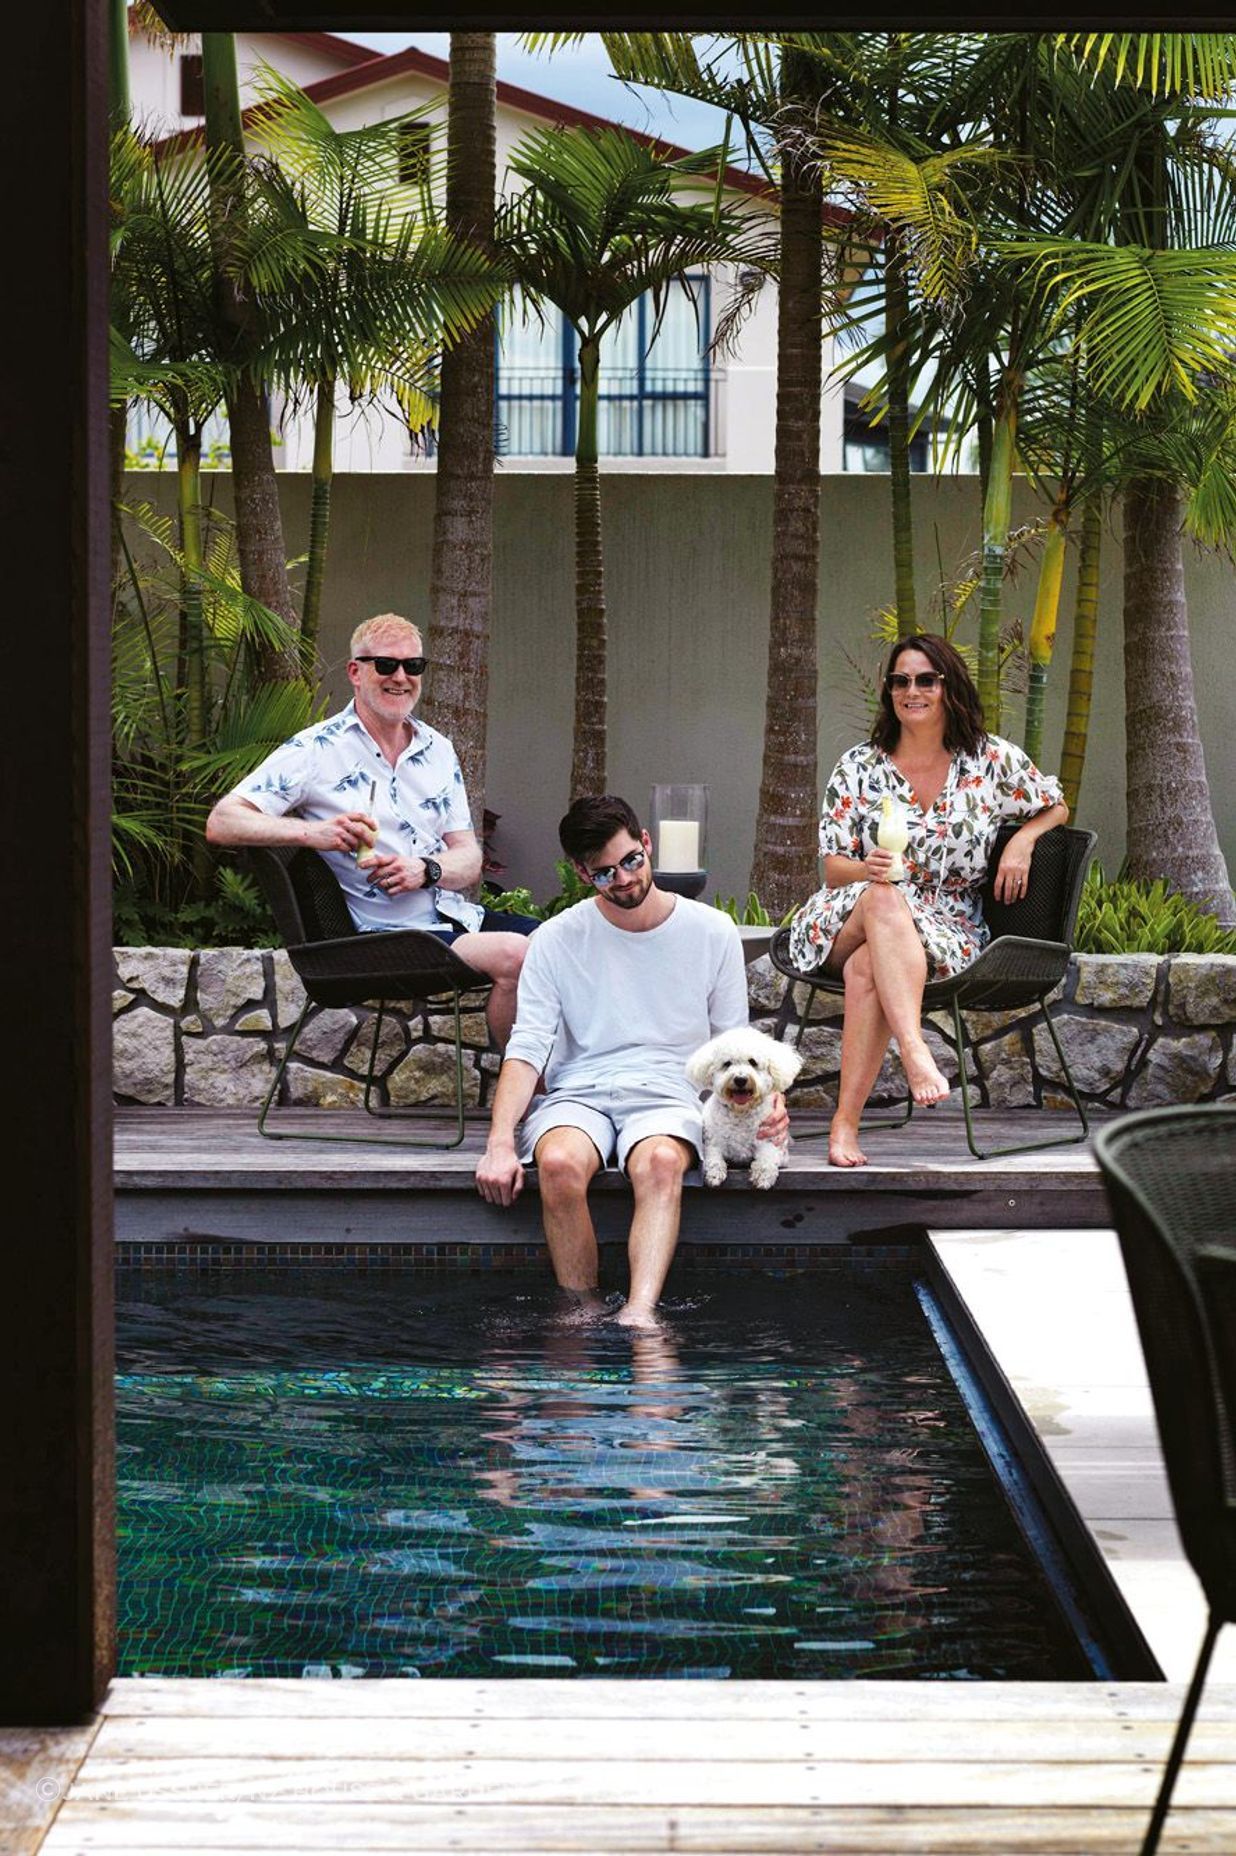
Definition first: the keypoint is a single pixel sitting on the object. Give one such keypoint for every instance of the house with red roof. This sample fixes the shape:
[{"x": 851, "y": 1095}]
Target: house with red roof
[{"x": 667, "y": 403}]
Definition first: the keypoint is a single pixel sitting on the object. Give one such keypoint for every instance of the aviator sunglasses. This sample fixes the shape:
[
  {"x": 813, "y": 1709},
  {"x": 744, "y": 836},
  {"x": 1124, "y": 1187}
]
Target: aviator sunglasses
[
  {"x": 608, "y": 873},
  {"x": 901, "y": 680},
  {"x": 386, "y": 666}
]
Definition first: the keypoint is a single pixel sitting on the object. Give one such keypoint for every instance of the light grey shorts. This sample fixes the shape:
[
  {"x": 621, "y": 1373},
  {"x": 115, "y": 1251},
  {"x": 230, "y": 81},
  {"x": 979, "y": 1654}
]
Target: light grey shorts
[{"x": 614, "y": 1118}]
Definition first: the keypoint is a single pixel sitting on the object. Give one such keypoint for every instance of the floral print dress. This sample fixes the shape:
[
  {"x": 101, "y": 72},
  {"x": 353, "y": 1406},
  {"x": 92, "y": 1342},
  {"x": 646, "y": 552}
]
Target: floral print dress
[{"x": 946, "y": 859}]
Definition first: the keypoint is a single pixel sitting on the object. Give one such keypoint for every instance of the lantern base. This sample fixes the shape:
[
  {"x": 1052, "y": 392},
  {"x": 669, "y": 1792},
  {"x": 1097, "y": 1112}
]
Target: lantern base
[{"x": 681, "y": 882}]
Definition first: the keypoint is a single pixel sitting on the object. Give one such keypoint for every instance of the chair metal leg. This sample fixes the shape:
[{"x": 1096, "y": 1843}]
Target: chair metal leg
[
  {"x": 364, "y": 1140},
  {"x": 1019, "y": 1147},
  {"x": 1183, "y": 1729}
]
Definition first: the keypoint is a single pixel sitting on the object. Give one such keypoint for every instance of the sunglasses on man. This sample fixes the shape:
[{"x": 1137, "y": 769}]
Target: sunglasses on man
[
  {"x": 386, "y": 666},
  {"x": 608, "y": 873},
  {"x": 901, "y": 680}
]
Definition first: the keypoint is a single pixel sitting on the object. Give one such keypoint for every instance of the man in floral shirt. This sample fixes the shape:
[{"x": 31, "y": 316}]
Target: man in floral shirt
[{"x": 381, "y": 797}]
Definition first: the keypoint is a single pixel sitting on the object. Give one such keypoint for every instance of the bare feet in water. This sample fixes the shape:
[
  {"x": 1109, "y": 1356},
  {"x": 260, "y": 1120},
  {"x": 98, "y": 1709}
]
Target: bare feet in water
[
  {"x": 843, "y": 1147},
  {"x": 927, "y": 1086},
  {"x": 632, "y": 1315}
]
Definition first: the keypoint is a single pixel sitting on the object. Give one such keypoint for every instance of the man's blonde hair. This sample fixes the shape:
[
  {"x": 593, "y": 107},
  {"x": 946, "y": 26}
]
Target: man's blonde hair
[{"x": 370, "y": 629}]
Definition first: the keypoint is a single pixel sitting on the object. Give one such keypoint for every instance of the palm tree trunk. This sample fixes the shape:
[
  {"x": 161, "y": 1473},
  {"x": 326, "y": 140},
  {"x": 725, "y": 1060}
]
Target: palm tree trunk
[
  {"x": 189, "y": 507},
  {"x": 461, "y": 576},
  {"x": 1171, "y": 827},
  {"x": 255, "y": 488},
  {"x": 319, "y": 524},
  {"x": 896, "y": 319},
  {"x": 1043, "y": 625},
  {"x": 1081, "y": 667},
  {"x": 589, "y": 746},
  {"x": 783, "y": 868},
  {"x": 193, "y": 628},
  {"x": 997, "y": 517}
]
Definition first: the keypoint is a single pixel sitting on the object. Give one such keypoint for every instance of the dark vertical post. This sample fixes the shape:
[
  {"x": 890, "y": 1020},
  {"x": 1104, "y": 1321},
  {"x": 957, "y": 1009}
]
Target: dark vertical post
[{"x": 56, "y": 1504}]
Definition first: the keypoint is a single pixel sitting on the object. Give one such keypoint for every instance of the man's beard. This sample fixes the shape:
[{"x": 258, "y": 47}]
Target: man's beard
[{"x": 633, "y": 900}]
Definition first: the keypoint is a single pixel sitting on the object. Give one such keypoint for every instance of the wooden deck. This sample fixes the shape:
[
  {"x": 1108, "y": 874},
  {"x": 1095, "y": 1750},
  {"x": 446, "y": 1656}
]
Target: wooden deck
[
  {"x": 532, "y": 1767},
  {"x": 204, "y": 1173}
]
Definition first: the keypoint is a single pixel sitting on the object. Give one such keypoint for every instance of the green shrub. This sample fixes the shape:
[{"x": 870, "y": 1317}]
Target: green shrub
[
  {"x": 572, "y": 889},
  {"x": 1144, "y": 918},
  {"x": 236, "y": 915},
  {"x": 751, "y": 913}
]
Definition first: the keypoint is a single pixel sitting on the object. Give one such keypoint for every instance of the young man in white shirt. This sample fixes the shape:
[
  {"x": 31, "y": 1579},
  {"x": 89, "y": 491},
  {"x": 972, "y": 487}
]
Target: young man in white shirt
[
  {"x": 614, "y": 996},
  {"x": 372, "y": 771}
]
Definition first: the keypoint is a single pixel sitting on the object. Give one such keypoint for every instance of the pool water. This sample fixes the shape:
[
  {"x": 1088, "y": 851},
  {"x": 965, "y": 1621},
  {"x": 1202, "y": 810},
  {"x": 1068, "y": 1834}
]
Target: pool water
[{"x": 356, "y": 1474}]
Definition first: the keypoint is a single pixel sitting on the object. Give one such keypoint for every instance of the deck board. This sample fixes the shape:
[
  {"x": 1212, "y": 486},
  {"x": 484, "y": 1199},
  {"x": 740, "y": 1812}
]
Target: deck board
[{"x": 207, "y": 1173}]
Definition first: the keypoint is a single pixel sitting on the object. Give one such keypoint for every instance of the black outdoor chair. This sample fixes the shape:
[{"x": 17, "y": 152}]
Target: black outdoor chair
[
  {"x": 1171, "y": 1178},
  {"x": 337, "y": 965},
  {"x": 1027, "y": 956}
]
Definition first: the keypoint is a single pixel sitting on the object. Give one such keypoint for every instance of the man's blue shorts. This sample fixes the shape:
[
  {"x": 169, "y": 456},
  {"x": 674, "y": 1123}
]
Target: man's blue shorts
[{"x": 495, "y": 922}]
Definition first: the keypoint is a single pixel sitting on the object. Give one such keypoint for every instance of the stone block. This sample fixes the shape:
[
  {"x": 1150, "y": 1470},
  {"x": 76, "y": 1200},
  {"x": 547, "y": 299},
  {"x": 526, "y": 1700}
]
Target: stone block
[
  {"x": 228, "y": 978},
  {"x": 144, "y": 1056},
  {"x": 1116, "y": 981},
  {"x": 1202, "y": 989},
  {"x": 1007, "y": 1071},
  {"x": 289, "y": 993},
  {"x": 191, "y": 1023},
  {"x": 765, "y": 986},
  {"x": 162, "y": 973},
  {"x": 226, "y": 1072},
  {"x": 325, "y": 1033},
  {"x": 986, "y": 1024},
  {"x": 1177, "y": 1070},
  {"x": 427, "y": 1074},
  {"x": 814, "y": 1098},
  {"x": 121, "y": 998},
  {"x": 474, "y": 1025},
  {"x": 392, "y": 1043},
  {"x": 1098, "y": 1053},
  {"x": 820, "y": 1049},
  {"x": 308, "y": 1088},
  {"x": 255, "y": 1021}
]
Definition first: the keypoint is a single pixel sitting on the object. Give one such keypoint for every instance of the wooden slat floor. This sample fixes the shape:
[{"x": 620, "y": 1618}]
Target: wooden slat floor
[
  {"x": 217, "y": 1148},
  {"x": 525, "y": 1768}
]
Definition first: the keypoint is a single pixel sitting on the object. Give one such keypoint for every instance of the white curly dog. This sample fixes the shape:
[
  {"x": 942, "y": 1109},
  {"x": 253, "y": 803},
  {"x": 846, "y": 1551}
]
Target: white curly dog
[{"x": 743, "y": 1068}]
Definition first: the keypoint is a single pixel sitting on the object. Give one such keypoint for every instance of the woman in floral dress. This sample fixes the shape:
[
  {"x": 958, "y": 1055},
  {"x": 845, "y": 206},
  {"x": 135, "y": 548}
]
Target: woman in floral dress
[{"x": 930, "y": 751}]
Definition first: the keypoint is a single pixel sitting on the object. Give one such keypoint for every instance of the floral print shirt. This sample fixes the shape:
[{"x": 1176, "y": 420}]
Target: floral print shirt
[
  {"x": 946, "y": 859},
  {"x": 328, "y": 769}
]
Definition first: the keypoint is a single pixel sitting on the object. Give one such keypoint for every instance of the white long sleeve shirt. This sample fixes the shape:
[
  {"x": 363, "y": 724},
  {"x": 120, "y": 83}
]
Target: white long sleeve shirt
[{"x": 600, "y": 1005}]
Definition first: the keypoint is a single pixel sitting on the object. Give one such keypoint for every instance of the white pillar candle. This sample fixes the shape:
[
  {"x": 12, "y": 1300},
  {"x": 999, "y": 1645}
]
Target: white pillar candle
[{"x": 678, "y": 844}]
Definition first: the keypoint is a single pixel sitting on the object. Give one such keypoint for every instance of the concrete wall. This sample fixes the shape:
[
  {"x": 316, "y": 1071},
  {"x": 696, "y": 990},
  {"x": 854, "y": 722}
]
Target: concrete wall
[{"x": 687, "y": 566}]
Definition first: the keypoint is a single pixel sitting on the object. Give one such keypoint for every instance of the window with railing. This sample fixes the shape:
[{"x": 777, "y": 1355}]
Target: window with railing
[{"x": 656, "y": 388}]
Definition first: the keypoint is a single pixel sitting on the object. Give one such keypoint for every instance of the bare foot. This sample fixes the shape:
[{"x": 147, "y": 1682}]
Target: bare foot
[
  {"x": 578, "y": 1307},
  {"x": 843, "y": 1147},
  {"x": 927, "y": 1085},
  {"x": 634, "y": 1315}
]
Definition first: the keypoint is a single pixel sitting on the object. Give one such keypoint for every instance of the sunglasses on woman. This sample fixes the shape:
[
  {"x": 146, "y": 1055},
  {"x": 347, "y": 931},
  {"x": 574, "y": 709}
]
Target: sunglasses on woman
[
  {"x": 901, "y": 680},
  {"x": 386, "y": 666},
  {"x": 608, "y": 873}
]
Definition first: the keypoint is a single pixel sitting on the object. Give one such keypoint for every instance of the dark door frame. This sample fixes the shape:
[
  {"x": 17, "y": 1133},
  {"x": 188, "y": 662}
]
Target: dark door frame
[{"x": 57, "y": 1564}]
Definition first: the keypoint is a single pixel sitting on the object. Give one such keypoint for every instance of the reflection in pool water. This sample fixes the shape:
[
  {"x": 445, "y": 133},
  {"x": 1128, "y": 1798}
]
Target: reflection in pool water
[{"x": 397, "y": 1474}]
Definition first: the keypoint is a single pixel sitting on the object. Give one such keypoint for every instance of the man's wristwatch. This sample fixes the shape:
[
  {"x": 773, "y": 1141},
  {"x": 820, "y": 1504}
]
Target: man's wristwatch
[{"x": 433, "y": 869}]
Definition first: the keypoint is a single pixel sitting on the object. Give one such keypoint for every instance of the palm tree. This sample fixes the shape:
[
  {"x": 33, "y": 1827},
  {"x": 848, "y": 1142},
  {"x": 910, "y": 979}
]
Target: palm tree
[
  {"x": 1155, "y": 312},
  {"x": 600, "y": 223},
  {"x": 461, "y": 574},
  {"x": 770, "y": 84},
  {"x": 255, "y": 488},
  {"x": 382, "y": 289}
]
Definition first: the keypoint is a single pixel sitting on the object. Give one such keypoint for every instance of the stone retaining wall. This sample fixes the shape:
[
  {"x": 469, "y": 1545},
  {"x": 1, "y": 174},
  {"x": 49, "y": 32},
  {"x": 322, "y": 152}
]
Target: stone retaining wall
[{"x": 206, "y": 1029}]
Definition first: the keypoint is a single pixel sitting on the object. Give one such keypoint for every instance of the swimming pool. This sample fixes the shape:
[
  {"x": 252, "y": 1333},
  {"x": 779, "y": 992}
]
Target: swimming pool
[{"x": 370, "y": 1474}]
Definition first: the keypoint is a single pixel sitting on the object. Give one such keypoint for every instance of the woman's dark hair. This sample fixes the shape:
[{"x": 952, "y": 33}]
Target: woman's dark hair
[
  {"x": 963, "y": 712},
  {"x": 591, "y": 823}
]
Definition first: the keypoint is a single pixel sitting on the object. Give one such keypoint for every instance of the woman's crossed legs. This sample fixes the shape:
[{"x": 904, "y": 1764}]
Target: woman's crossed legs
[{"x": 882, "y": 961}]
